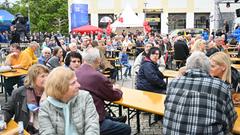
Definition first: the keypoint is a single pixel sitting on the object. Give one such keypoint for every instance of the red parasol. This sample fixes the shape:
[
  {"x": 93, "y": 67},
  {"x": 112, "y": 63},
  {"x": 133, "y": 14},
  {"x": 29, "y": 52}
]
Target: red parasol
[{"x": 87, "y": 29}]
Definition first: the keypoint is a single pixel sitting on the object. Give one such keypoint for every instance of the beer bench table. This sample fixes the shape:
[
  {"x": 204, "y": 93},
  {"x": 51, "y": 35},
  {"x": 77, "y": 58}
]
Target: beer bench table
[
  {"x": 141, "y": 101},
  {"x": 12, "y": 128},
  {"x": 18, "y": 72},
  {"x": 170, "y": 74},
  {"x": 153, "y": 103}
]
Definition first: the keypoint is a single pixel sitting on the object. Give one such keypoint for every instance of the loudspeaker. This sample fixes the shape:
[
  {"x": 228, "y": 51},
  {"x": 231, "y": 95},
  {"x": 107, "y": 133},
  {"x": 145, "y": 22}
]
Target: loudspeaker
[{"x": 238, "y": 12}]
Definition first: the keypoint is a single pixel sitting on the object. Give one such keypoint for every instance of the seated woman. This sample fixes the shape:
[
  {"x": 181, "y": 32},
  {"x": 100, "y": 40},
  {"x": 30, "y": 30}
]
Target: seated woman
[
  {"x": 221, "y": 68},
  {"x": 67, "y": 110},
  {"x": 46, "y": 54},
  {"x": 73, "y": 60},
  {"x": 149, "y": 78},
  {"x": 23, "y": 105},
  {"x": 56, "y": 59}
]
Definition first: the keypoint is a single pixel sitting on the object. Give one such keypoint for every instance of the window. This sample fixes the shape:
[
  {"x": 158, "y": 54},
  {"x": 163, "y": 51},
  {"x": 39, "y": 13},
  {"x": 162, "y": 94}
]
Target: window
[
  {"x": 176, "y": 21},
  {"x": 201, "y": 20}
]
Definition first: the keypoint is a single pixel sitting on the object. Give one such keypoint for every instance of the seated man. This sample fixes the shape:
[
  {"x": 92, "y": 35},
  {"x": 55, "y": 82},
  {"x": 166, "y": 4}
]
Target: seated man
[
  {"x": 197, "y": 103},
  {"x": 101, "y": 90},
  {"x": 17, "y": 60},
  {"x": 33, "y": 46}
]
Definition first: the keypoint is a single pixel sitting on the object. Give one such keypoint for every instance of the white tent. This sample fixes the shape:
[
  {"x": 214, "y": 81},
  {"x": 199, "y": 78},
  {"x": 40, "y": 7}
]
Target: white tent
[{"x": 130, "y": 21}]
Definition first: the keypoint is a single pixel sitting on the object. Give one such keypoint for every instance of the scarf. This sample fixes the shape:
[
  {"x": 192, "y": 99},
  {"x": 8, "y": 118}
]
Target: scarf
[{"x": 69, "y": 128}]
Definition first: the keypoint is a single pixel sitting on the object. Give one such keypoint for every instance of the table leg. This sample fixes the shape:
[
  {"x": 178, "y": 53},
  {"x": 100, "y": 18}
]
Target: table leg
[
  {"x": 5, "y": 92},
  {"x": 138, "y": 121},
  {"x": 1, "y": 84},
  {"x": 120, "y": 110}
]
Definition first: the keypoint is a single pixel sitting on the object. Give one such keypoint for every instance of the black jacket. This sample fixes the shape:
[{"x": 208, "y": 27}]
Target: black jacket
[
  {"x": 181, "y": 51},
  {"x": 150, "y": 78},
  {"x": 17, "y": 107}
]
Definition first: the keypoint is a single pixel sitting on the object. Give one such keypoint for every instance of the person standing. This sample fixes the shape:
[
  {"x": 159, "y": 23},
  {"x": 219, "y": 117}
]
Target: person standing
[{"x": 226, "y": 26}]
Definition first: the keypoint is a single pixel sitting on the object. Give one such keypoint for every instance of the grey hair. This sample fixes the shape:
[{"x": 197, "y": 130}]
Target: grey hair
[
  {"x": 198, "y": 60},
  {"x": 90, "y": 55},
  {"x": 72, "y": 44},
  {"x": 46, "y": 49},
  {"x": 34, "y": 44}
]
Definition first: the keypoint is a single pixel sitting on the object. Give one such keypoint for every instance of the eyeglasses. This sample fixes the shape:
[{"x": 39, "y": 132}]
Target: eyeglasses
[
  {"x": 155, "y": 54},
  {"x": 74, "y": 61},
  {"x": 47, "y": 53}
]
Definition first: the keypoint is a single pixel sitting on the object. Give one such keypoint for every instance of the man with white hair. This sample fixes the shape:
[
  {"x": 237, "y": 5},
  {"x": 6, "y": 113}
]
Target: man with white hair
[
  {"x": 73, "y": 47},
  {"x": 101, "y": 90},
  {"x": 33, "y": 46},
  {"x": 197, "y": 103}
]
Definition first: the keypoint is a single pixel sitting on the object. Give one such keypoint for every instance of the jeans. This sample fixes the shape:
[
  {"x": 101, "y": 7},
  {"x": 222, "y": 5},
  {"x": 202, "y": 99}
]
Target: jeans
[
  {"x": 109, "y": 127},
  {"x": 128, "y": 69},
  {"x": 11, "y": 81}
]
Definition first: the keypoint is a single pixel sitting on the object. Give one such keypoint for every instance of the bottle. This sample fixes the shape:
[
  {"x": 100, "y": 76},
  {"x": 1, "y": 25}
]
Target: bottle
[
  {"x": 20, "y": 128},
  {"x": 2, "y": 122}
]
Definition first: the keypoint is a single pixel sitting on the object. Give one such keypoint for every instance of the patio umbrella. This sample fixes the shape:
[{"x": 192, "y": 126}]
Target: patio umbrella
[
  {"x": 6, "y": 19},
  {"x": 87, "y": 29}
]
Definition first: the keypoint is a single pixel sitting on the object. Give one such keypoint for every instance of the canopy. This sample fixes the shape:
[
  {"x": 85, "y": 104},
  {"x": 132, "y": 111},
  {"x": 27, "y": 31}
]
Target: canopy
[
  {"x": 128, "y": 21},
  {"x": 87, "y": 29},
  {"x": 6, "y": 19}
]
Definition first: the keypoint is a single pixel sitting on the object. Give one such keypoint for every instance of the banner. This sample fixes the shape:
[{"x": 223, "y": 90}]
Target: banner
[{"x": 79, "y": 15}]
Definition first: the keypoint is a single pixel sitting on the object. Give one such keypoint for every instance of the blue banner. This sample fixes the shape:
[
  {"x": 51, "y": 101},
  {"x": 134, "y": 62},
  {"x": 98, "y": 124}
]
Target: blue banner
[{"x": 79, "y": 15}]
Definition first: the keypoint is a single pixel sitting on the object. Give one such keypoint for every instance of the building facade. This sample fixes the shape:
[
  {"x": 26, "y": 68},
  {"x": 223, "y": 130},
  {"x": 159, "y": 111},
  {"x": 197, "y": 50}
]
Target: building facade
[{"x": 162, "y": 15}]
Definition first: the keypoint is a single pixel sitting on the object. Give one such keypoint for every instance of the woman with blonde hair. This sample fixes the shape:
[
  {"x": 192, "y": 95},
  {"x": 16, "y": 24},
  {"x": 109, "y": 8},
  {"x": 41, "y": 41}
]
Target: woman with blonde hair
[
  {"x": 221, "y": 66},
  {"x": 23, "y": 105},
  {"x": 199, "y": 45},
  {"x": 67, "y": 110}
]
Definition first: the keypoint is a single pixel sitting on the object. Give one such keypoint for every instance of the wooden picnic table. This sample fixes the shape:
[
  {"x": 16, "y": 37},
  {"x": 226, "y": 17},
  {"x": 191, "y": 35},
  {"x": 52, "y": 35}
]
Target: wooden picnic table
[
  {"x": 153, "y": 103},
  {"x": 12, "y": 129},
  {"x": 14, "y": 73}
]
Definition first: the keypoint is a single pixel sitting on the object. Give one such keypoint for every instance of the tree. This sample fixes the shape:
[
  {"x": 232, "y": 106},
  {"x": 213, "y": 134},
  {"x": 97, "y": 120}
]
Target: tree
[{"x": 45, "y": 15}]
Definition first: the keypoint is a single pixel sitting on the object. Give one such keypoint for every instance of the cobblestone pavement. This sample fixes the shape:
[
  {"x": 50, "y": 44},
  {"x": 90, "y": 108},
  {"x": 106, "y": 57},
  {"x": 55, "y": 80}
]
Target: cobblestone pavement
[{"x": 145, "y": 129}]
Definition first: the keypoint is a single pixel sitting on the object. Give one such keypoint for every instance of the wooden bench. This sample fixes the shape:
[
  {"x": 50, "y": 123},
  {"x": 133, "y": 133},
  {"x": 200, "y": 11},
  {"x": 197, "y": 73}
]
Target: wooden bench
[{"x": 152, "y": 103}]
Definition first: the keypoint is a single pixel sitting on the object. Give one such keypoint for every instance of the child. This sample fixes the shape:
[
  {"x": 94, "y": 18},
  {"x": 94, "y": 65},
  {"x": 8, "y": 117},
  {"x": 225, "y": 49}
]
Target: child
[{"x": 123, "y": 57}]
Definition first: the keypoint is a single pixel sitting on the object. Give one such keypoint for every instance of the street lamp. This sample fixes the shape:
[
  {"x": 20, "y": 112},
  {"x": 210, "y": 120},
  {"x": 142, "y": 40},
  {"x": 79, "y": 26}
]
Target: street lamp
[
  {"x": 145, "y": 6},
  {"x": 28, "y": 10}
]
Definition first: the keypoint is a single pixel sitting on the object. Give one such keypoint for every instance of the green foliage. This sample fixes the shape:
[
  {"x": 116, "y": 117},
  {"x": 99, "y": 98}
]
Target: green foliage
[{"x": 45, "y": 15}]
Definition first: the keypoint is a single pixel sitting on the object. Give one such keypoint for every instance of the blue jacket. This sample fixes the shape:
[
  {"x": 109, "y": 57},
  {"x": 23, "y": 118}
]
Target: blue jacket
[
  {"x": 236, "y": 34},
  {"x": 149, "y": 78},
  {"x": 205, "y": 35},
  {"x": 42, "y": 60},
  {"x": 123, "y": 58}
]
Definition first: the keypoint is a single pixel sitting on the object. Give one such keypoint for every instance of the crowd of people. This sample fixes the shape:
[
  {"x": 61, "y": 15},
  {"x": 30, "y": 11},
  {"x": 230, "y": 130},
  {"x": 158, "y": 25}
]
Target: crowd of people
[{"x": 65, "y": 90}]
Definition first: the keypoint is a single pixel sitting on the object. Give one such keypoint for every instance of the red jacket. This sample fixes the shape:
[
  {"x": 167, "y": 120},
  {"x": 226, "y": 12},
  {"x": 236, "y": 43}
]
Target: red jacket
[{"x": 99, "y": 87}]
